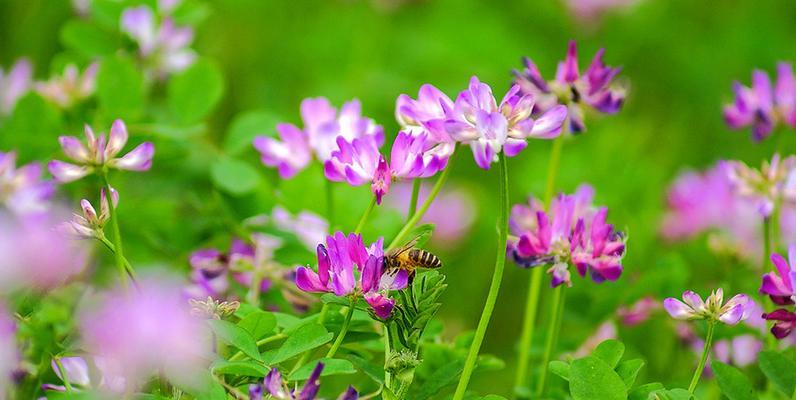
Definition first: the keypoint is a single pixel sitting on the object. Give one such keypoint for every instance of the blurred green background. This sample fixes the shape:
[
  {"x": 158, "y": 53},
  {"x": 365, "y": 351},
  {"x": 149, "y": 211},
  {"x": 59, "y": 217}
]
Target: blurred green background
[{"x": 679, "y": 57}]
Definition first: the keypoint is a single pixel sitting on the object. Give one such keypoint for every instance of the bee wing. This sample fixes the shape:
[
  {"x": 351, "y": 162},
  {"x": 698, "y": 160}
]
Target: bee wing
[{"x": 403, "y": 249}]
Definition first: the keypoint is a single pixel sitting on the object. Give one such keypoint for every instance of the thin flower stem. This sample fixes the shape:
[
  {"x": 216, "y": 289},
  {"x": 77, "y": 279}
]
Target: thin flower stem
[
  {"x": 556, "y": 315},
  {"x": 387, "y": 352},
  {"x": 343, "y": 330},
  {"x": 413, "y": 200},
  {"x": 494, "y": 287},
  {"x": 704, "y": 358},
  {"x": 535, "y": 281},
  {"x": 117, "y": 235},
  {"x": 365, "y": 216},
  {"x": 415, "y": 218},
  {"x": 330, "y": 204},
  {"x": 237, "y": 394},
  {"x": 130, "y": 272},
  {"x": 766, "y": 242},
  {"x": 64, "y": 376}
]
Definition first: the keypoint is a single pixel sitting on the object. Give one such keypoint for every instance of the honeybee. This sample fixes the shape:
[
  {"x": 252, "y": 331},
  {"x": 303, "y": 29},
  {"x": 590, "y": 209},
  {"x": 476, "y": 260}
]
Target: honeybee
[{"x": 409, "y": 258}]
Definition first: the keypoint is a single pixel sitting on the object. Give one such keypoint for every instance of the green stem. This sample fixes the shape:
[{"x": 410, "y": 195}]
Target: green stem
[
  {"x": 117, "y": 235},
  {"x": 776, "y": 230},
  {"x": 365, "y": 216},
  {"x": 64, "y": 376},
  {"x": 104, "y": 240},
  {"x": 343, "y": 330},
  {"x": 262, "y": 342},
  {"x": 415, "y": 218},
  {"x": 535, "y": 280},
  {"x": 330, "y": 203},
  {"x": 704, "y": 358},
  {"x": 413, "y": 199},
  {"x": 556, "y": 315},
  {"x": 766, "y": 242},
  {"x": 494, "y": 287}
]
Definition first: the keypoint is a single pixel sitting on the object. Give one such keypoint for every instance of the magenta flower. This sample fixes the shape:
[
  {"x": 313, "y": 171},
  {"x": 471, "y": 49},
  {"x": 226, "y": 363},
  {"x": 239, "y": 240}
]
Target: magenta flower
[
  {"x": 359, "y": 162},
  {"x": 426, "y": 117},
  {"x": 780, "y": 285},
  {"x": 762, "y": 106},
  {"x": 159, "y": 334},
  {"x": 417, "y": 156},
  {"x": 594, "y": 88},
  {"x": 489, "y": 128},
  {"x": 90, "y": 225},
  {"x": 336, "y": 263},
  {"x": 572, "y": 233},
  {"x": 774, "y": 181},
  {"x": 14, "y": 84},
  {"x": 99, "y": 154},
  {"x": 785, "y": 322},
  {"x": 279, "y": 389},
  {"x": 71, "y": 87},
  {"x": 22, "y": 189},
  {"x": 319, "y": 138},
  {"x": 165, "y": 47},
  {"x": 692, "y": 307},
  {"x": 25, "y": 265}
]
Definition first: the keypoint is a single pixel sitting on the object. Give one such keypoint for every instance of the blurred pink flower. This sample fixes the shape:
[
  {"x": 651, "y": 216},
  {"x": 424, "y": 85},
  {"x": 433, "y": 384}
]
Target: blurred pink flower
[
  {"x": 14, "y": 84},
  {"x": 639, "y": 312},
  {"x": 309, "y": 227},
  {"x": 452, "y": 212},
  {"x": 762, "y": 106},
  {"x": 775, "y": 181},
  {"x": 22, "y": 189},
  {"x": 593, "y": 10},
  {"x": 25, "y": 265},
  {"x": 165, "y": 46},
  {"x": 71, "y": 87},
  {"x": 740, "y": 350},
  {"x": 144, "y": 332},
  {"x": 606, "y": 331},
  {"x": 9, "y": 356}
]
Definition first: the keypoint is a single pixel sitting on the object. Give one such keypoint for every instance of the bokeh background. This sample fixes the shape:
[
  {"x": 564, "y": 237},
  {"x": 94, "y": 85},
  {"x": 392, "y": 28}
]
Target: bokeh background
[{"x": 679, "y": 58}]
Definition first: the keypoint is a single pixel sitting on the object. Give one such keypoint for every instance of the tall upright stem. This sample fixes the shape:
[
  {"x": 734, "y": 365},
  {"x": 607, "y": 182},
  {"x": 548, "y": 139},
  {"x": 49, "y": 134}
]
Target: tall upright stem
[
  {"x": 704, "y": 358},
  {"x": 117, "y": 236},
  {"x": 343, "y": 330},
  {"x": 413, "y": 200},
  {"x": 365, "y": 215},
  {"x": 766, "y": 242},
  {"x": 535, "y": 283},
  {"x": 330, "y": 204},
  {"x": 556, "y": 315},
  {"x": 415, "y": 218},
  {"x": 494, "y": 287}
]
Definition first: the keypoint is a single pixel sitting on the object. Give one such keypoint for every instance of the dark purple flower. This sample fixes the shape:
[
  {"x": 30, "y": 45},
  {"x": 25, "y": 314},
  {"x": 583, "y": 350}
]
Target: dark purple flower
[
  {"x": 692, "y": 307},
  {"x": 99, "y": 153},
  {"x": 22, "y": 190},
  {"x": 489, "y": 128},
  {"x": 336, "y": 263},
  {"x": 762, "y": 106},
  {"x": 323, "y": 128},
  {"x": 785, "y": 322},
  {"x": 780, "y": 285},
  {"x": 594, "y": 88},
  {"x": 278, "y": 389}
]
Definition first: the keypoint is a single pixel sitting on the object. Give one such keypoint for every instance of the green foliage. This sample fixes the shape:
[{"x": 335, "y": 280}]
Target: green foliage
[
  {"x": 733, "y": 383},
  {"x": 418, "y": 304},
  {"x": 236, "y": 336},
  {"x": 88, "y": 39},
  {"x": 245, "y": 127},
  {"x": 305, "y": 337},
  {"x": 779, "y": 369},
  {"x": 239, "y": 368},
  {"x": 258, "y": 324},
  {"x": 592, "y": 378},
  {"x": 120, "y": 89},
  {"x": 332, "y": 366},
  {"x": 234, "y": 176},
  {"x": 193, "y": 93}
]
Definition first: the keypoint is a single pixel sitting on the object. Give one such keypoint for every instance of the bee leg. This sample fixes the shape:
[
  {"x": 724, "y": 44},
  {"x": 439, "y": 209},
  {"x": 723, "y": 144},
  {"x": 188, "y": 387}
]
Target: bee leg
[{"x": 411, "y": 277}]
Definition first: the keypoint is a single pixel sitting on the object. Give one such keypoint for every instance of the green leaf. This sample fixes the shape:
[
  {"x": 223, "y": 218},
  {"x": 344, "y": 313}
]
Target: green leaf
[
  {"x": 628, "y": 371},
  {"x": 193, "y": 93},
  {"x": 306, "y": 337},
  {"x": 87, "y": 39},
  {"x": 672, "y": 394},
  {"x": 240, "y": 368},
  {"x": 331, "y": 366},
  {"x": 237, "y": 337},
  {"x": 733, "y": 383},
  {"x": 258, "y": 324},
  {"x": 33, "y": 117},
  {"x": 592, "y": 378},
  {"x": 560, "y": 368},
  {"x": 779, "y": 369},
  {"x": 441, "y": 378},
  {"x": 120, "y": 88},
  {"x": 286, "y": 321},
  {"x": 374, "y": 372},
  {"x": 643, "y": 392},
  {"x": 245, "y": 127},
  {"x": 234, "y": 176},
  {"x": 610, "y": 351}
]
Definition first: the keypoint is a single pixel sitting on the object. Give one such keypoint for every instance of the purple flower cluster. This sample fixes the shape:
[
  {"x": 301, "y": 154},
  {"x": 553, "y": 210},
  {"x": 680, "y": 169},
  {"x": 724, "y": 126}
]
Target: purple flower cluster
[
  {"x": 347, "y": 268},
  {"x": 781, "y": 287},
  {"x": 71, "y": 87},
  {"x": 572, "y": 233},
  {"x": 90, "y": 225},
  {"x": 14, "y": 84},
  {"x": 594, "y": 88},
  {"x": 692, "y": 307},
  {"x": 278, "y": 388},
  {"x": 762, "y": 106},
  {"x": 165, "y": 47},
  {"x": 99, "y": 153}
]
